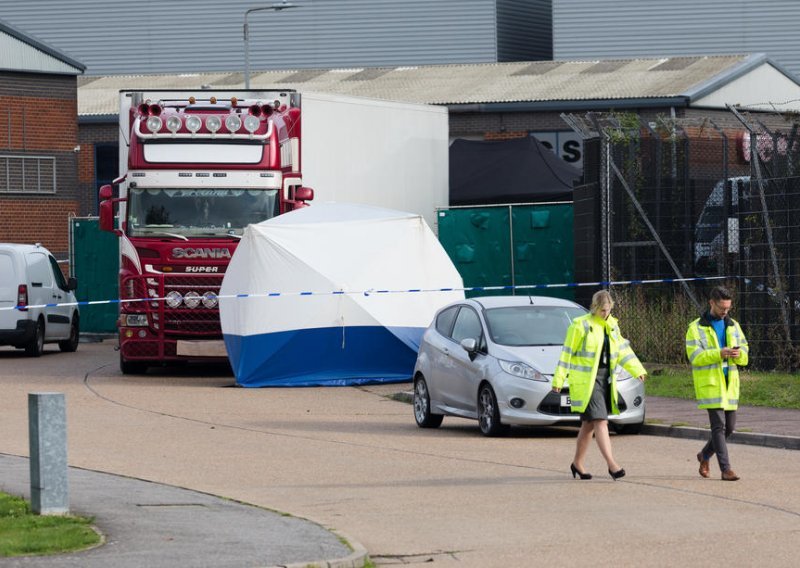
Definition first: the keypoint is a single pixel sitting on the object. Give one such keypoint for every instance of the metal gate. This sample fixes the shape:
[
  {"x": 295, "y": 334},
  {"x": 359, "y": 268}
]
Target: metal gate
[
  {"x": 510, "y": 245},
  {"x": 94, "y": 259}
]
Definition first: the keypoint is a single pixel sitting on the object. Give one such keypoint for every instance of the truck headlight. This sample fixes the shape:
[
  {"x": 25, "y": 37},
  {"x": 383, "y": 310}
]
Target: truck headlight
[
  {"x": 251, "y": 123},
  {"x": 193, "y": 123},
  {"x": 213, "y": 123},
  {"x": 154, "y": 124},
  {"x": 191, "y": 299},
  {"x": 174, "y": 299},
  {"x": 210, "y": 300},
  {"x": 174, "y": 123},
  {"x": 136, "y": 320},
  {"x": 233, "y": 123}
]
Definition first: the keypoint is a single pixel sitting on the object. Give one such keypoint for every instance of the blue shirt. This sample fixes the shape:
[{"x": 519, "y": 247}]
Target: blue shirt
[{"x": 719, "y": 328}]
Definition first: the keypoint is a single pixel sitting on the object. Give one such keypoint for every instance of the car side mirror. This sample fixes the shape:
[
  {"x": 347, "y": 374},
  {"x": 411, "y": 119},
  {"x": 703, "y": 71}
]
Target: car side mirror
[
  {"x": 72, "y": 283},
  {"x": 470, "y": 345}
]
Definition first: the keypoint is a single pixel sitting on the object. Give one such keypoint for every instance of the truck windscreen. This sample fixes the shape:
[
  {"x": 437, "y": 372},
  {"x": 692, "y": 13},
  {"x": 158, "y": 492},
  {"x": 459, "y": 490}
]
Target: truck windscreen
[{"x": 198, "y": 212}]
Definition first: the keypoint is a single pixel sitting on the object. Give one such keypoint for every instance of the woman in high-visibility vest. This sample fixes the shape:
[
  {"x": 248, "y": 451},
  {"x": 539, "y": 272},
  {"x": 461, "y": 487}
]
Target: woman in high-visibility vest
[{"x": 592, "y": 350}]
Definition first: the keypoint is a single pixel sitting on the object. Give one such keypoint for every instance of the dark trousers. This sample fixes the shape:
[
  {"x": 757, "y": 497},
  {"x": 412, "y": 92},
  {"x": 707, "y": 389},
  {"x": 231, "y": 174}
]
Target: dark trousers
[{"x": 722, "y": 424}]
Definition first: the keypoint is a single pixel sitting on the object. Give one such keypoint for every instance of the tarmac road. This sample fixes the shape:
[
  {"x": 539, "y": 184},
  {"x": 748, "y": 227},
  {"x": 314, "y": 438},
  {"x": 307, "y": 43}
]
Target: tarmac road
[{"x": 354, "y": 461}]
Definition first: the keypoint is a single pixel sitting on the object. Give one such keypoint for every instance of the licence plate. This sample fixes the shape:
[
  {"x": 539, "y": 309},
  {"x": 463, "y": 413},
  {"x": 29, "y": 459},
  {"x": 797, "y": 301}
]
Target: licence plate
[{"x": 565, "y": 401}]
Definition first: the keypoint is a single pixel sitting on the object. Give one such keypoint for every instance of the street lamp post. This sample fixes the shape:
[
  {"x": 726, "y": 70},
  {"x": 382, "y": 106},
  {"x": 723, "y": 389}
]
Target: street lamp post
[{"x": 275, "y": 8}]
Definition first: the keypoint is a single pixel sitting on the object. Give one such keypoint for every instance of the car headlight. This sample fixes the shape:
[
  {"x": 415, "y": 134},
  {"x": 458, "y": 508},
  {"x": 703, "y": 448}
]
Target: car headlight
[
  {"x": 521, "y": 370},
  {"x": 622, "y": 374}
]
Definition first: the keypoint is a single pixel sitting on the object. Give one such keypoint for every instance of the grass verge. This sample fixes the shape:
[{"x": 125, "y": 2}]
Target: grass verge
[
  {"x": 23, "y": 533},
  {"x": 776, "y": 390}
]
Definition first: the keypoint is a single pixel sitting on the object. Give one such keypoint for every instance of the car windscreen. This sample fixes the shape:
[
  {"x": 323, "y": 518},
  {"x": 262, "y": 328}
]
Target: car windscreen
[{"x": 530, "y": 325}]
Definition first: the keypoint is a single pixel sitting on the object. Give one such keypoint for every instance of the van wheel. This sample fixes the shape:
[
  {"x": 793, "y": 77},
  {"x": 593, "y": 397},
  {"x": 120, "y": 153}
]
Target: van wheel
[
  {"x": 132, "y": 367},
  {"x": 36, "y": 346},
  {"x": 70, "y": 345}
]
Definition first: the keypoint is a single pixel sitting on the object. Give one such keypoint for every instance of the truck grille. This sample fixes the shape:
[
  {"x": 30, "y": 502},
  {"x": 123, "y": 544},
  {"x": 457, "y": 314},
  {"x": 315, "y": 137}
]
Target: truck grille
[{"x": 180, "y": 321}]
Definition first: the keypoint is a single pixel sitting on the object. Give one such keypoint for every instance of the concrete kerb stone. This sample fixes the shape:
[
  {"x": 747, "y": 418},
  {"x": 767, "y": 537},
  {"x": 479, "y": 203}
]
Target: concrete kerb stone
[
  {"x": 356, "y": 559},
  {"x": 689, "y": 433},
  {"x": 748, "y": 438}
]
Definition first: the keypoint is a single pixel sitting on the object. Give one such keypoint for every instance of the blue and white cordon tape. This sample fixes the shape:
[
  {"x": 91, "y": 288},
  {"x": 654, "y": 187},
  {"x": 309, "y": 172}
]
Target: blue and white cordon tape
[{"x": 409, "y": 291}]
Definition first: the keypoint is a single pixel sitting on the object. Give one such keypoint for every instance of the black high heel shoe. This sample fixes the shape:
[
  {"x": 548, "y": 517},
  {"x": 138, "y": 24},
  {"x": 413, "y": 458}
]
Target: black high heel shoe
[
  {"x": 576, "y": 473},
  {"x": 616, "y": 474}
]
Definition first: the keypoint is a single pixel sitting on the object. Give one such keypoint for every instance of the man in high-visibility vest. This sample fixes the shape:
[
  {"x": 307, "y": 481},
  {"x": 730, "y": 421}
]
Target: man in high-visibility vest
[{"x": 716, "y": 348}]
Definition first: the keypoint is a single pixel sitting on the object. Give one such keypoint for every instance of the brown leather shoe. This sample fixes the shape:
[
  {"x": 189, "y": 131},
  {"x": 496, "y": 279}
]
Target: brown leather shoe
[
  {"x": 704, "y": 471},
  {"x": 729, "y": 475}
]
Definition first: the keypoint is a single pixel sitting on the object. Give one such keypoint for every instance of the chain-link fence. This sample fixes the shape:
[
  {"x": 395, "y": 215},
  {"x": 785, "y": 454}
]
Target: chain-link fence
[{"x": 682, "y": 198}]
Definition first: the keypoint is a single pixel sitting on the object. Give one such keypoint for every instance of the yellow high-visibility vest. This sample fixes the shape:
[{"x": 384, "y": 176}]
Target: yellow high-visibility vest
[
  {"x": 708, "y": 366},
  {"x": 580, "y": 359}
]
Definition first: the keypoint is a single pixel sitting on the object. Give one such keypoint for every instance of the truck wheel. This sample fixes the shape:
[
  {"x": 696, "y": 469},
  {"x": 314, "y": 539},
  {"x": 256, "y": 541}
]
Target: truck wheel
[
  {"x": 71, "y": 344},
  {"x": 132, "y": 367},
  {"x": 36, "y": 346}
]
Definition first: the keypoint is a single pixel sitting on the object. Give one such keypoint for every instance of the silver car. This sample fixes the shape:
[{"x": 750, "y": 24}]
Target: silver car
[{"x": 492, "y": 359}]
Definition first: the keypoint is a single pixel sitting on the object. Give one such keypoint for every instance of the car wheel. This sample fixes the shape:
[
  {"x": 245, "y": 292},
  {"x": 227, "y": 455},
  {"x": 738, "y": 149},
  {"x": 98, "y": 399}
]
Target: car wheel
[
  {"x": 422, "y": 406},
  {"x": 36, "y": 346},
  {"x": 132, "y": 367},
  {"x": 489, "y": 413},
  {"x": 70, "y": 345}
]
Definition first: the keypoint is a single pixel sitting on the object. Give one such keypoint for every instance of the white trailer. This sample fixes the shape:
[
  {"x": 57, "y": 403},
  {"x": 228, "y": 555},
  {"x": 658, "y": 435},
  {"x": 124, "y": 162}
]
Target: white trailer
[{"x": 383, "y": 153}]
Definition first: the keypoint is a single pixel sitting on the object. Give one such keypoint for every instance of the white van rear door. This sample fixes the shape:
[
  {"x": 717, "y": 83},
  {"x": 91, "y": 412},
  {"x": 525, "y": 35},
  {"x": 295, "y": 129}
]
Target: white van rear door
[
  {"x": 43, "y": 290},
  {"x": 9, "y": 286}
]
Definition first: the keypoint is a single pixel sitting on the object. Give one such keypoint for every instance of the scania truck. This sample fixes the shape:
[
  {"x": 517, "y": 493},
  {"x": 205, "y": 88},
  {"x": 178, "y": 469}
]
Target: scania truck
[{"x": 197, "y": 167}]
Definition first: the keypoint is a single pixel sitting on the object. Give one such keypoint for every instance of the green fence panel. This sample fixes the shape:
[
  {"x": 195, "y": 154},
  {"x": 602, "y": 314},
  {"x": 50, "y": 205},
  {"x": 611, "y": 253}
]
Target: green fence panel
[
  {"x": 95, "y": 263},
  {"x": 543, "y": 248},
  {"x": 479, "y": 242}
]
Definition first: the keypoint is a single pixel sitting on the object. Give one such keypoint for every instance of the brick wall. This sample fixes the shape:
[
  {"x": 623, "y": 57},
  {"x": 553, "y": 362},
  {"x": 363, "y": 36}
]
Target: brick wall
[
  {"x": 38, "y": 117},
  {"x": 38, "y": 220},
  {"x": 89, "y": 136}
]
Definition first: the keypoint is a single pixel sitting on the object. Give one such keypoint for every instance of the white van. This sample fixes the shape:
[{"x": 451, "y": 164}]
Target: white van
[{"x": 30, "y": 276}]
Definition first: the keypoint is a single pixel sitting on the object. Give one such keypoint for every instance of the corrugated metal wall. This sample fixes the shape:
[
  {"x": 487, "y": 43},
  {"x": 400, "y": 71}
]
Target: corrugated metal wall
[
  {"x": 124, "y": 37},
  {"x": 16, "y": 55},
  {"x": 588, "y": 29},
  {"x": 524, "y": 30}
]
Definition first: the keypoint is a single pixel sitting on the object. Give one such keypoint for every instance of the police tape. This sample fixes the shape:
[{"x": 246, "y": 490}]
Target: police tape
[{"x": 371, "y": 291}]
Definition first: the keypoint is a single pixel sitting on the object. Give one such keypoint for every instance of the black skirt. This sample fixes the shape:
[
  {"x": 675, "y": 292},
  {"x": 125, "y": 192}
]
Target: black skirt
[{"x": 600, "y": 403}]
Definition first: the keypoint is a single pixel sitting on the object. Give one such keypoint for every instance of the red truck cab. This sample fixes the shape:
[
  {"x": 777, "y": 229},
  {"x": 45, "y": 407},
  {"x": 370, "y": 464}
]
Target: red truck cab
[{"x": 198, "y": 168}]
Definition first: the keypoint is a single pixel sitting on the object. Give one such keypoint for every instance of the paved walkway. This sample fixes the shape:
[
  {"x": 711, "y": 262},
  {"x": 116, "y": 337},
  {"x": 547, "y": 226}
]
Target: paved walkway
[
  {"x": 148, "y": 524},
  {"x": 154, "y": 525},
  {"x": 755, "y": 425}
]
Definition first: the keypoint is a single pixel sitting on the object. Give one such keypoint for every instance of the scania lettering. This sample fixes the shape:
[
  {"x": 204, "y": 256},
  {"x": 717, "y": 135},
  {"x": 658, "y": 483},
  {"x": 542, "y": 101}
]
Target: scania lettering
[
  {"x": 201, "y": 253},
  {"x": 197, "y": 167}
]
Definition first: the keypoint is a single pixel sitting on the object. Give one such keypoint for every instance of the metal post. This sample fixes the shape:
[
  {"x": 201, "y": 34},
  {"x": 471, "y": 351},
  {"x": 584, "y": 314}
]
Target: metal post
[
  {"x": 47, "y": 431},
  {"x": 246, "y": 35}
]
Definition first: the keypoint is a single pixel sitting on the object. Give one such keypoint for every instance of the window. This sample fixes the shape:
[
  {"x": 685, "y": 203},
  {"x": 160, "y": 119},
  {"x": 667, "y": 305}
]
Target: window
[
  {"x": 530, "y": 325},
  {"x": 27, "y": 174},
  {"x": 444, "y": 322},
  {"x": 467, "y": 325},
  {"x": 57, "y": 274}
]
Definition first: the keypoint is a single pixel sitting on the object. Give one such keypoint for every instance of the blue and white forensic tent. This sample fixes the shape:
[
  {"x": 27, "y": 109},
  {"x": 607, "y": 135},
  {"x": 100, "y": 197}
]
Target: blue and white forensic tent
[{"x": 333, "y": 294}]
